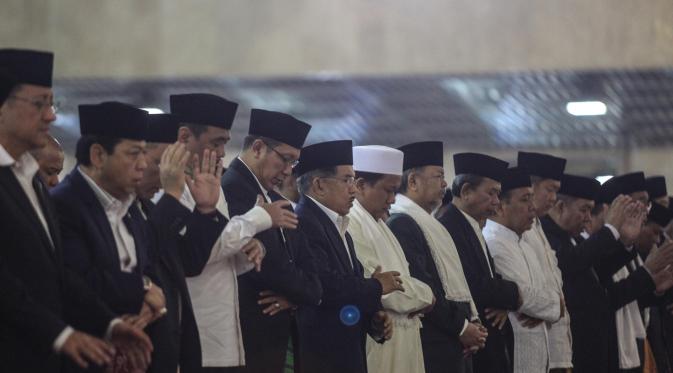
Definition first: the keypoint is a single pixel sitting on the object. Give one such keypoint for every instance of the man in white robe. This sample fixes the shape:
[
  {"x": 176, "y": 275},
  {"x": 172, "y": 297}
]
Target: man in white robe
[
  {"x": 378, "y": 173},
  {"x": 516, "y": 261},
  {"x": 546, "y": 172}
]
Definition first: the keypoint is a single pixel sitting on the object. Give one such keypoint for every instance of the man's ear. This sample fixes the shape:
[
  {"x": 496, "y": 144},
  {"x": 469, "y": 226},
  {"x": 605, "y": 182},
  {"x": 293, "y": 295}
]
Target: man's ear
[
  {"x": 97, "y": 155},
  {"x": 360, "y": 184},
  {"x": 257, "y": 147},
  {"x": 465, "y": 190}
]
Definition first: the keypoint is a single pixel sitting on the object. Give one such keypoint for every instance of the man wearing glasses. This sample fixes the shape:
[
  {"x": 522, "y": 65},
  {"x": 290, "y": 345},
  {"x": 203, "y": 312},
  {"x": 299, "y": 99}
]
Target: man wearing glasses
[
  {"x": 41, "y": 302},
  {"x": 288, "y": 278}
]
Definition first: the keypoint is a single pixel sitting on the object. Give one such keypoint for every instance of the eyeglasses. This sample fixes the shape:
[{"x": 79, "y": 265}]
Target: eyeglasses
[
  {"x": 286, "y": 159},
  {"x": 40, "y": 104},
  {"x": 348, "y": 180}
]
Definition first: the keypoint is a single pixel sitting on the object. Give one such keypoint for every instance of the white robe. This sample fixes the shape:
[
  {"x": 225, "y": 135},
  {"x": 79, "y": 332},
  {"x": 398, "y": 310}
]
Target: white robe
[
  {"x": 560, "y": 337},
  {"x": 214, "y": 292},
  {"x": 375, "y": 245},
  {"x": 516, "y": 261}
]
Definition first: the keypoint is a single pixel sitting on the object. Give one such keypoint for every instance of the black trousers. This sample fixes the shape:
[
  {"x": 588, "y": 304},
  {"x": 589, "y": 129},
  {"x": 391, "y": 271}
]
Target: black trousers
[{"x": 219, "y": 369}]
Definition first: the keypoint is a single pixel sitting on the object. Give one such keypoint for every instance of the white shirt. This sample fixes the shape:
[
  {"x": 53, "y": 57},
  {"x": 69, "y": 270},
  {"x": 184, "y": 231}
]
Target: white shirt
[
  {"x": 340, "y": 222},
  {"x": 115, "y": 210},
  {"x": 214, "y": 292},
  {"x": 516, "y": 261},
  {"x": 477, "y": 230},
  {"x": 559, "y": 335}
]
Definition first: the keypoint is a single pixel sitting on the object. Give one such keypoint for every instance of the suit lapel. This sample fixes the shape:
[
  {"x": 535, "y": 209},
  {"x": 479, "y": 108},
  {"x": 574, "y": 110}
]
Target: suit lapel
[
  {"x": 97, "y": 214},
  {"x": 332, "y": 233},
  {"x": 472, "y": 239},
  {"x": 19, "y": 197}
]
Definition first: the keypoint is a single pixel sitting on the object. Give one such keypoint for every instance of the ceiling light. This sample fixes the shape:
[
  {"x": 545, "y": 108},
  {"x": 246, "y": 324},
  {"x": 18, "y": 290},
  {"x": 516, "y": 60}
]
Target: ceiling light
[
  {"x": 153, "y": 110},
  {"x": 603, "y": 178},
  {"x": 582, "y": 108}
]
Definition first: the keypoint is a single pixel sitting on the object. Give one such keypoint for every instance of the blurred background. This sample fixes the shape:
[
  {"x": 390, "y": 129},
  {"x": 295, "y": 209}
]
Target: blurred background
[{"x": 589, "y": 80}]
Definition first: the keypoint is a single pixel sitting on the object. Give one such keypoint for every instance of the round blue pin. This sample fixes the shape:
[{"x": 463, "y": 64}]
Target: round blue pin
[{"x": 349, "y": 315}]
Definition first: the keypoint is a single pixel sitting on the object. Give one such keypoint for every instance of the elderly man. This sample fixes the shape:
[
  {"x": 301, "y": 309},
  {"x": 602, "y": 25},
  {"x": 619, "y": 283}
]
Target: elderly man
[
  {"x": 42, "y": 301},
  {"x": 516, "y": 261},
  {"x": 451, "y": 331},
  {"x": 332, "y": 333},
  {"x": 288, "y": 280},
  {"x": 475, "y": 190},
  {"x": 378, "y": 173}
]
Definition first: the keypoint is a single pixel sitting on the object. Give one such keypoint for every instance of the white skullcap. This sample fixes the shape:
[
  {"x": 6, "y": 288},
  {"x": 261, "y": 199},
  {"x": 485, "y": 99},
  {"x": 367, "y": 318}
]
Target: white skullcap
[{"x": 378, "y": 159}]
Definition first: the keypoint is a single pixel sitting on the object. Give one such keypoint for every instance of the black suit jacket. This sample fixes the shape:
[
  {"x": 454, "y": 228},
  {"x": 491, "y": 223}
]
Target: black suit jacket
[
  {"x": 176, "y": 336},
  {"x": 487, "y": 291},
  {"x": 38, "y": 296},
  {"x": 326, "y": 343},
  {"x": 288, "y": 269},
  {"x": 442, "y": 349},
  {"x": 591, "y": 296},
  {"x": 89, "y": 247}
]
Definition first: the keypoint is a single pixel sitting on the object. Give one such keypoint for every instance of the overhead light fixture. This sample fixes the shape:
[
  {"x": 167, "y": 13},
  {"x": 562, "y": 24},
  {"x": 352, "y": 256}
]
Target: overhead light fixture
[
  {"x": 585, "y": 108},
  {"x": 603, "y": 178},
  {"x": 153, "y": 110}
]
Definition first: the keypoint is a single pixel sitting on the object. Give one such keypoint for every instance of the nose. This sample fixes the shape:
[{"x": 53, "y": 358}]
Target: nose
[
  {"x": 444, "y": 184},
  {"x": 48, "y": 115},
  {"x": 52, "y": 181}
]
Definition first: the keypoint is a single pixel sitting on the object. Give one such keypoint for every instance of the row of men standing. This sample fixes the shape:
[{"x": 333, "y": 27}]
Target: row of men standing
[{"x": 230, "y": 277}]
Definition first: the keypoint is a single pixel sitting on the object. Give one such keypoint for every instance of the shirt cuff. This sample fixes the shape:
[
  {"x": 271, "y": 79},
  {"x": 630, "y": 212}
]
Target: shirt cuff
[
  {"x": 614, "y": 231},
  {"x": 464, "y": 327},
  {"x": 108, "y": 332},
  {"x": 259, "y": 218},
  {"x": 60, "y": 340}
]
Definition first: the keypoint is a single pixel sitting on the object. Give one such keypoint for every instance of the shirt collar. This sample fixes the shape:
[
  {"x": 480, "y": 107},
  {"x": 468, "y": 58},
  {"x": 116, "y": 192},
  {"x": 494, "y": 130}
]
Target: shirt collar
[
  {"x": 110, "y": 204},
  {"x": 5, "y": 158},
  {"x": 502, "y": 231},
  {"x": 266, "y": 192},
  {"x": 341, "y": 222},
  {"x": 26, "y": 165},
  {"x": 474, "y": 223}
]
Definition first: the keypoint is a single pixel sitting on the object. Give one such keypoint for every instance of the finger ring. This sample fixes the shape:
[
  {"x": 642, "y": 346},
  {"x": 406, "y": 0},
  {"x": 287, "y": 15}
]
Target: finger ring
[
  {"x": 277, "y": 305},
  {"x": 163, "y": 311}
]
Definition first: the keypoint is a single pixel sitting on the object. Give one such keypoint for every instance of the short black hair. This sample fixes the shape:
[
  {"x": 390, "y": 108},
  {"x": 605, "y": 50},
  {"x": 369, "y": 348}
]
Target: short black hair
[
  {"x": 460, "y": 180},
  {"x": 370, "y": 178},
  {"x": 84, "y": 145},
  {"x": 304, "y": 181},
  {"x": 248, "y": 140},
  {"x": 404, "y": 185}
]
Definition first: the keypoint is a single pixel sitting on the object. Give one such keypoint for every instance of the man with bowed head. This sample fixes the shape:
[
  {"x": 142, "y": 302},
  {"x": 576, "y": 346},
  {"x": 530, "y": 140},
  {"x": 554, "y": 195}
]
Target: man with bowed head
[{"x": 327, "y": 184}]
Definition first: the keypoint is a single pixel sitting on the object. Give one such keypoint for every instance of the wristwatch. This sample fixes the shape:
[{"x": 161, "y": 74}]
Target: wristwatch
[{"x": 147, "y": 283}]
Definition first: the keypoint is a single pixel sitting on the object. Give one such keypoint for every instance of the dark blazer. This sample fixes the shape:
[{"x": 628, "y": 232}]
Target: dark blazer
[
  {"x": 327, "y": 344},
  {"x": 89, "y": 247},
  {"x": 38, "y": 296},
  {"x": 442, "y": 349},
  {"x": 176, "y": 336},
  {"x": 591, "y": 296},
  {"x": 288, "y": 269},
  {"x": 487, "y": 291}
]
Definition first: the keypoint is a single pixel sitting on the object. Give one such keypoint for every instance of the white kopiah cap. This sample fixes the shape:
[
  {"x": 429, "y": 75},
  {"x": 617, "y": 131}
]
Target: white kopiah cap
[{"x": 378, "y": 159}]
